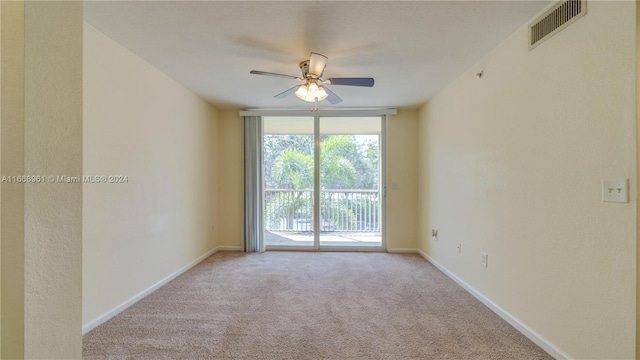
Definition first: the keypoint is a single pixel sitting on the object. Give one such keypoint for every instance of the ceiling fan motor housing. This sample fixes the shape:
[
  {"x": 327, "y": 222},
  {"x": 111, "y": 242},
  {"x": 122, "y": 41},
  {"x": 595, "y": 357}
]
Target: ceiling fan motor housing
[{"x": 304, "y": 67}]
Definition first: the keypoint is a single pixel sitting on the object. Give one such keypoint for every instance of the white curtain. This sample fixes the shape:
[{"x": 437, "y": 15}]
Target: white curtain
[{"x": 253, "y": 239}]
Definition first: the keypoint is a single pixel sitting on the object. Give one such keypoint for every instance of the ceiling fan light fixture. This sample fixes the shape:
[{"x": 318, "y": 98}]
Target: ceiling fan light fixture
[
  {"x": 311, "y": 92},
  {"x": 321, "y": 93}
]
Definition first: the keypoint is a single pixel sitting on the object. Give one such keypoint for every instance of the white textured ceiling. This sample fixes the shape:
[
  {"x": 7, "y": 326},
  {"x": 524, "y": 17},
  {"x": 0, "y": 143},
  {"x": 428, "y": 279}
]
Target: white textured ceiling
[{"x": 412, "y": 49}]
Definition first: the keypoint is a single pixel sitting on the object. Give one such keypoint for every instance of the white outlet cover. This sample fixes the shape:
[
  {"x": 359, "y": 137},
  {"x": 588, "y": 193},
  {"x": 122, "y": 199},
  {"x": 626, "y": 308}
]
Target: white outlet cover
[
  {"x": 484, "y": 259},
  {"x": 615, "y": 190}
]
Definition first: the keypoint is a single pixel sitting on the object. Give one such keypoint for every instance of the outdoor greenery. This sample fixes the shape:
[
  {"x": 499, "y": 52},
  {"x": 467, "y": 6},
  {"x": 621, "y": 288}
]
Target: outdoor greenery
[{"x": 346, "y": 163}]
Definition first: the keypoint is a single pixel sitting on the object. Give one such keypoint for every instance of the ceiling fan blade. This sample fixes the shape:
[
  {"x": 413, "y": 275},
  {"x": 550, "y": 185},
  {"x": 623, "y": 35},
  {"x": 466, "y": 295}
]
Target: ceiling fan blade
[
  {"x": 317, "y": 63},
  {"x": 288, "y": 92},
  {"x": 332, "y": 97},
  {"x": 368, "y": 82},
  {"x": 256, "y": 72}
]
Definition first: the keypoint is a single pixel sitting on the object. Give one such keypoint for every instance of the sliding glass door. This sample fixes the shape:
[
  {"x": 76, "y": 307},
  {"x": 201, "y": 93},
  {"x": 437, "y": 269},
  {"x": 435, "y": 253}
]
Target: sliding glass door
[
  {"x": 288, "y": 171},
  {"x": 350, "y": 189},
  {"x": 322, "y": 183}
]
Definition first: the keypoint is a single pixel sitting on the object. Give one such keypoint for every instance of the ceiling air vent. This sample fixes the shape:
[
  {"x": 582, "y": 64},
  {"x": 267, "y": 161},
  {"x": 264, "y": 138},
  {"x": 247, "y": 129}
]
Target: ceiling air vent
[{"x": 555, "y": 19}]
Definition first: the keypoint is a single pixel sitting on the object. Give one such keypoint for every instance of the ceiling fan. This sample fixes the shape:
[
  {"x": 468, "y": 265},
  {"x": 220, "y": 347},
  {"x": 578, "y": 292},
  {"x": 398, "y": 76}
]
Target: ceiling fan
[{"x": 314, "y": 88}]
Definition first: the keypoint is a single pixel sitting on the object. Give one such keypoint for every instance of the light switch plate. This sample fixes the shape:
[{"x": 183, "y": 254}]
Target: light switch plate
[{"x": 615, "y": 190}]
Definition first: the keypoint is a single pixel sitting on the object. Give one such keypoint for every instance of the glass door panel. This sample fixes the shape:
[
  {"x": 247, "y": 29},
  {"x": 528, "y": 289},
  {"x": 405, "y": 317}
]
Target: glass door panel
[
  {"x": 350, "y": 191},
  {"x": 288, "y": 172}
]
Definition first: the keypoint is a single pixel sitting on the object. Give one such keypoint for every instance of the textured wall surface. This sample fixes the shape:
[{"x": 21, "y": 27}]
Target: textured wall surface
[
  {"x": 512, "y": 164},
  {"x": 402, "y": 180},
  {"x": 230, "y": 200},
  {"x": 141, "y": 124},
  {"x": 53, "y": 211},
  {"x": 12, "y": 163}
]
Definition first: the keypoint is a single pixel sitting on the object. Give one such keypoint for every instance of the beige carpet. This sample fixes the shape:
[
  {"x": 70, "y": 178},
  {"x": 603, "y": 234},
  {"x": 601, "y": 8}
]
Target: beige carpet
[{"x": 299, "y": 305}]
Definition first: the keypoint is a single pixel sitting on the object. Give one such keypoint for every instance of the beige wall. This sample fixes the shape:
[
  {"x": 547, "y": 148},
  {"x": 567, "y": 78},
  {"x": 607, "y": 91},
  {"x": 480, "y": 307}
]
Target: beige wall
[
  {"x": 230, "y": 199},
  {"x": 12, "y": 163},
  {"x": 141, "y": 124},
  {"x": 637, "y": 182},
  {"x": 41, "y": 223},
  {"x": 53, "y": 212},
  {"x": 402, "y": 180},
  {"x": 512, "y": 164}
]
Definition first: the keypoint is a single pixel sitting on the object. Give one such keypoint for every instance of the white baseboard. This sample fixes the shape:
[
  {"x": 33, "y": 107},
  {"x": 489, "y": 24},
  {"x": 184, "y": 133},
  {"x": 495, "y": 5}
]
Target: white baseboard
[
  {"x": 520, "y": 326},
  {"x": 402, "y": 250},
  {"x": 228, "y": 248},
  {"x": 538, "y": 339},
  {"x": 120, "y": 308}
]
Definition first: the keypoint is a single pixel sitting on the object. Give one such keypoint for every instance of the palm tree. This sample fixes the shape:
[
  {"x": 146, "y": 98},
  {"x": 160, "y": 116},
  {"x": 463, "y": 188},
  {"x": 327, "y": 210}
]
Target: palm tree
[
  {"x": 293, "y": 170},
  {"x": 336, "y": 167}
]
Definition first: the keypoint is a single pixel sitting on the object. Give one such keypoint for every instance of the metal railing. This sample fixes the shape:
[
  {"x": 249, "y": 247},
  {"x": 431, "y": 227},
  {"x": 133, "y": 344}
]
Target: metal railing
[{"x": 340, "y": 210}]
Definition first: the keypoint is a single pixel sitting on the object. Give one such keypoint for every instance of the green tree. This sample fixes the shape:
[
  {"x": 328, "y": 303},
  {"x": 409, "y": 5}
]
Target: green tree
[
  {"x": 293, "y": 170},
  {"x": 274, "y": 145},
  {"x": 345, "y": 163},
  {"x": 336, "y": 167}
]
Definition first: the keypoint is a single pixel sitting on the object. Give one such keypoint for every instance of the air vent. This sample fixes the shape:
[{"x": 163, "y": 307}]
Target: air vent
[{"x": 555, "y": 19}]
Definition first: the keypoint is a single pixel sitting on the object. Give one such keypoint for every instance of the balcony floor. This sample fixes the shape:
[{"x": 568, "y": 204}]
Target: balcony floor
[{"x": 337, "y": 239}]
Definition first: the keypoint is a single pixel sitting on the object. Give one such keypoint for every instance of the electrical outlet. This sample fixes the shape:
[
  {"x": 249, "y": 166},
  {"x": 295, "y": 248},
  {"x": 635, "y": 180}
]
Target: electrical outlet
[
  {"x": 615, "y": 190},
  {"x": 459, "y": 248},
  {"x": 485, "y": 259},
  {"x": 434, "y": 232}
]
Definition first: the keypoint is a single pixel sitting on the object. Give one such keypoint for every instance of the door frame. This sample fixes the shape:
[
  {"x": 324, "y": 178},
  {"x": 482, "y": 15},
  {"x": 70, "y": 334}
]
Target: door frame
[{"x": 383, "y": 187}]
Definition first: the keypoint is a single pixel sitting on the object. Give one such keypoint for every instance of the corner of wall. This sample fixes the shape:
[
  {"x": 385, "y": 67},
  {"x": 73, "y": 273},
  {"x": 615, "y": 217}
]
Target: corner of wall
[
  {"x": 229, "y": 147},
  {"x": 423, "y": 180},
  {"x": 53, "y": 211},
  {"x": 402, "y": 180}
]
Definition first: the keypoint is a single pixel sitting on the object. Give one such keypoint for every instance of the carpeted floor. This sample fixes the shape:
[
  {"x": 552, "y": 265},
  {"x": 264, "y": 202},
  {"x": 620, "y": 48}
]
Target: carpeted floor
[{"x": 306, "y": 305}]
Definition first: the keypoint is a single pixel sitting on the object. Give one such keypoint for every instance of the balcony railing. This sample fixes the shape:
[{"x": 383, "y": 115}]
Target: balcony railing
[{"x": 340, "y": 210}]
